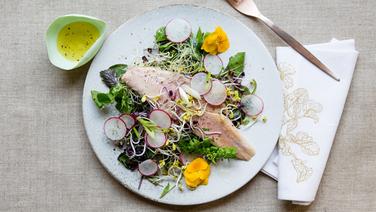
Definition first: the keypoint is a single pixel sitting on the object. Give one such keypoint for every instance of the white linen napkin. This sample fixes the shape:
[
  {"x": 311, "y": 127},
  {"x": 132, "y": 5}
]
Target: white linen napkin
[{"x": 313, "y": 105}]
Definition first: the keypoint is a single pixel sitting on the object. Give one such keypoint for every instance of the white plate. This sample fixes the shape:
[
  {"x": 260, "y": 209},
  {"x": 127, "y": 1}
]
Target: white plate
[{"x": 128, "y": 42}]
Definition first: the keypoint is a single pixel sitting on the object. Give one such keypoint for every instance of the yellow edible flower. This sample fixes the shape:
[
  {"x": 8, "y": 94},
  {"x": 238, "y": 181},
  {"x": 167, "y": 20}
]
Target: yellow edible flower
[
  {"x": 216, "y": 42},
  {"x": 197, "y": 173}
]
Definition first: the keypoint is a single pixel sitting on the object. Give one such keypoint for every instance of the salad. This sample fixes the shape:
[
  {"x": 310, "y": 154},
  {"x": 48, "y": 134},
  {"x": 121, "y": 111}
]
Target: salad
[{"x": 180, "y": 101}]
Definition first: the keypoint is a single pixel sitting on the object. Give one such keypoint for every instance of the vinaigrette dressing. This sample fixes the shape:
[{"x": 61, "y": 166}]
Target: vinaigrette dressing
[{"x": 75, "y": 39}]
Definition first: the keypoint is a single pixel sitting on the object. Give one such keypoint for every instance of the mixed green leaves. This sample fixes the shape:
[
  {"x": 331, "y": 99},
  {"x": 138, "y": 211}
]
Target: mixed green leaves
[
  {"x": 204, "y": 147},
  {"x": 131, "y": 163},
  {"x": 123, "y": 97},
  {"x": 164, "y": 45},
  {"x": 118, "y": 94}
]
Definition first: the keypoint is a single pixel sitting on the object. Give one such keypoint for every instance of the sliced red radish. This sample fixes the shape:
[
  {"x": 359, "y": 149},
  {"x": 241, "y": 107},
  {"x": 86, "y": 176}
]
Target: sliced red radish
[
  {"x": 201, "y": 83},
  {"x": 115, "y": 128},
  {"x": 217, "y": 94},
  {"x": 160, "y": 118},
  {"x": 191, "y": 92},
  {"x": 178, "y": 30},
  {"x": 213, "y": 64},
  {"x": 129, "y": 120},
  {"x": 252, "y": 105},
  {"x": 148, "y": 167},
  {"x": 158, "y": 140}
]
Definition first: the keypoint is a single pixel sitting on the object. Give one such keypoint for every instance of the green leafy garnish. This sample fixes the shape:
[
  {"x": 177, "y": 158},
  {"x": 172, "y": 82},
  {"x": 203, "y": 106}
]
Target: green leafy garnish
[
  {"x": 127, "y": 162},
  {"x": 119, "y": 94},
  {"x": 131, "y": 163},
  {"x": 101, "y": 99},
  {"x": 166, "y": 189},
  {"x": 111, "y": 76},
  {"x": 166, "y": 47},
  {"x": 119, "y": 69},
  {"x": 205, "y": 148},
  {"x": 149, "y": 126},
  {"x": 123, "y": 100},
  {"x": 136, "y": 132},
  {"x": 199, "y": 39},
  {"x": 160, "y": 35},
  {"x": 236, "y": 64},
  {"x": 244, "y": 90}
]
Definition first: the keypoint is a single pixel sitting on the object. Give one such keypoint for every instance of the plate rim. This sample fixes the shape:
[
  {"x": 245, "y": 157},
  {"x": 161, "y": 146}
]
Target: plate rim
[{"x": 160, "y": 201}]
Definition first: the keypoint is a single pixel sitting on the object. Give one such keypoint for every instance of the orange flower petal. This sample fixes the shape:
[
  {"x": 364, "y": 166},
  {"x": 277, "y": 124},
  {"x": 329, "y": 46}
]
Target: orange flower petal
[
  {"x": 196, "y": 173},
  {"x": 216, "y": 42},
  {"x": 223, "y": 46}
]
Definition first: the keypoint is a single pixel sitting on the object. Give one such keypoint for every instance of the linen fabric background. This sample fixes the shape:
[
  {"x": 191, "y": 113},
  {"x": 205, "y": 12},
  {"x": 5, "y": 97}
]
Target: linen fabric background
[{"x": 46, "y": 163}]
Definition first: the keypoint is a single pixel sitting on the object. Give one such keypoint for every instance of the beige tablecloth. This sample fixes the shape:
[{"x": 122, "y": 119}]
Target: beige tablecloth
[{"x": 46, "y": 163}]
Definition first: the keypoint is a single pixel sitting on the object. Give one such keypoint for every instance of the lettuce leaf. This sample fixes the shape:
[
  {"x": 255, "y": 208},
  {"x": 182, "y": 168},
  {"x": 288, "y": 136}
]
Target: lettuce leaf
[
  {"x": 236, "y": 64},
  {"x": 160, "y": 35}
]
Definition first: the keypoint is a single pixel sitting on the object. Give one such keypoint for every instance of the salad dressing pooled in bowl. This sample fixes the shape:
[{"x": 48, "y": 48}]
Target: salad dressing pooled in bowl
[{"x": 73, "y": 40}]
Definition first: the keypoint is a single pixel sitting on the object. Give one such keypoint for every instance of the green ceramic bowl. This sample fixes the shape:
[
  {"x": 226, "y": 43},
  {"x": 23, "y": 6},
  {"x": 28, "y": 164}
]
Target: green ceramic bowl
[{"x": 51, "y": 40}]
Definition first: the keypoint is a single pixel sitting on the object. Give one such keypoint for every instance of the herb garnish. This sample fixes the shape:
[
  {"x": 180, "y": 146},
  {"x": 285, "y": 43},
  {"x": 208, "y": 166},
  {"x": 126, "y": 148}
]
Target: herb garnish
[{"x": 204, "y": 147}]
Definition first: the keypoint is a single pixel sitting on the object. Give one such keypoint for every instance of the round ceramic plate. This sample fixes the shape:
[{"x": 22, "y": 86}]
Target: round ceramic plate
[{"x": 129, "y": 41}]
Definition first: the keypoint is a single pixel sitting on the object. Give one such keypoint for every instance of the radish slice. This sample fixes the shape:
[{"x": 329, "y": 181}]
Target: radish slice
[
  {"x": 213, "y": 64},
  {"x": 161, "y": 118},
  {"x": 148, "y": 167},
  {"x": 115, "y": 128},
  {"x": 252, "y": 105},
  {"x": 217, "y": 95},
  {"x": 201, "y": 83},
  {"x": 178, "y": 30},
  {"x": 157, "y": 141},
  {"x": 191, "y": 92},
  {"x": 128, "y": 120}
]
